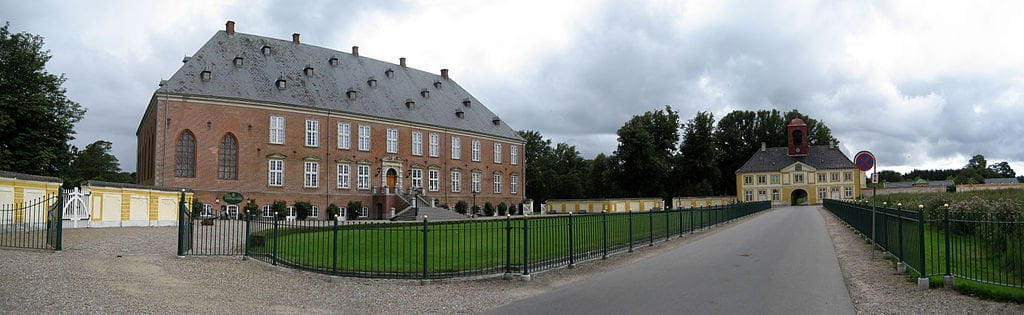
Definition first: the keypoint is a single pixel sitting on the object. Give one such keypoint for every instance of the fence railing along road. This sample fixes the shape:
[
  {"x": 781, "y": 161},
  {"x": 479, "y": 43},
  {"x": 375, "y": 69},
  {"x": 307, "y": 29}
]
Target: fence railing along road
[
  {"x": 981, "y": 247},
  {"x": 446, "y": 249}
]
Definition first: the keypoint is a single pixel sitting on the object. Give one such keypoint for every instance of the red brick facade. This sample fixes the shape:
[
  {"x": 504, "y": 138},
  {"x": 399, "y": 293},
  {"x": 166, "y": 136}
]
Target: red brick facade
[{"x": 211, "y": 119}]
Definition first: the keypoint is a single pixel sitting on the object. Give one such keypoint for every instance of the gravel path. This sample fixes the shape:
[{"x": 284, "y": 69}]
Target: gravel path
[
  {"x": 876, "y": 288},
  {"x": 134, "y": 270}
]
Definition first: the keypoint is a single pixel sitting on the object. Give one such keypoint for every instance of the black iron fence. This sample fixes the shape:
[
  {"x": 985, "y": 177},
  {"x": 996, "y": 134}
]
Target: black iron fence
[
  {"x": 445, "y": 249},
  {"x": 982, "y": 247},
  {"x": 33, "y": 224}
]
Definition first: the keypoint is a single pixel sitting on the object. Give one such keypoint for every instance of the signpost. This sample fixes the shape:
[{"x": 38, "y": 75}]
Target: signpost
[{"x": 866, "y": 161}]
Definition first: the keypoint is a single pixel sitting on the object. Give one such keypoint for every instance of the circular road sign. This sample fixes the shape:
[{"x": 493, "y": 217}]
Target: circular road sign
[{"x": 864, "y": 160}]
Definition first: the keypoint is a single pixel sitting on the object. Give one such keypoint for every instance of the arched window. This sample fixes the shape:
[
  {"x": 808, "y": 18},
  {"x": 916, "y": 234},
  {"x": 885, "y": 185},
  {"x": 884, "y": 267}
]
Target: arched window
[
  {"x": 185, "y": 155},
  {"x": 227, "y": 158},
  {"x": 798, "y": 137}
]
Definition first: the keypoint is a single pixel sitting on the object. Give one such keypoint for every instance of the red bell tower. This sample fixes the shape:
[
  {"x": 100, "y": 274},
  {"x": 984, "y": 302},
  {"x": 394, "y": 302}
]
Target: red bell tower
[{"x": 797, "y": 137}]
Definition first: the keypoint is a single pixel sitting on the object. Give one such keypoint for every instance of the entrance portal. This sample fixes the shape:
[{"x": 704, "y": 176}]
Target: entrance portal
[{"x": 798, "y": 197}]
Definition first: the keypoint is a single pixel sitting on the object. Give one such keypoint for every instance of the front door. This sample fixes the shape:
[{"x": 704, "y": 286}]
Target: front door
[{"x": 392, "y": 179}]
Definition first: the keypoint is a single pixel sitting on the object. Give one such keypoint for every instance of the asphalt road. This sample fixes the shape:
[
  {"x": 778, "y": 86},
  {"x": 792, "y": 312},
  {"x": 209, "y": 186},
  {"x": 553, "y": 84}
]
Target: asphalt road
[{"x": 780, "y": 262}]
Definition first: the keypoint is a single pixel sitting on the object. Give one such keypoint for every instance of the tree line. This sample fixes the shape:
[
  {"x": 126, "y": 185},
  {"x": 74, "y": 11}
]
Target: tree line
[
  {"x": 658, "y": 155},
  {"x": 975, "y": 171}
]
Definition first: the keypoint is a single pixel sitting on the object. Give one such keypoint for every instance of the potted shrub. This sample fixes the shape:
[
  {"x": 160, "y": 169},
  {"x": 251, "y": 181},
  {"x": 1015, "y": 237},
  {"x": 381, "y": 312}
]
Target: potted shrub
[
  {"x": 502, "y": 209},
  {"x": 488, "y": 209},
  {"x": 252, "y": 209},
  {"x": 332, "y": 211},
  {"x": 280, "y": 209},
  {"x": 354, "y": 207},
  {"x": 302, "y": 210},
  {"x": 461, "y": 207}
]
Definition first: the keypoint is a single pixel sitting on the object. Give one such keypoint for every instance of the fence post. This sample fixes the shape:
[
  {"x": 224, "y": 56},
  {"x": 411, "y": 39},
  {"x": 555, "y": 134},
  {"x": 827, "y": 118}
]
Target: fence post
[
  {"x": 630, "y": 230},
  {"x": 426, "y": 229},
  {"x": 947, "y": 280},
  {"x": 901, "y": 266},
  {"x": 508, "y": 244},
  {"x": 60, "y": 221},
  {"x": 604, "y": 233},
  {"x": 680, "y": 221},
  {"x": 248, "y": 229},
  {"x": 922, "y": 280},
  {"x": 273, "y": 253},
  {"x": 666, "y": 223},
  {"x": 181, "y": 223},
  {"x": 572, "y": 256},
  {"x": 334, "y": 256},
  {"x": 650, "y": 227},
  {"x": 526, "y": 247}
]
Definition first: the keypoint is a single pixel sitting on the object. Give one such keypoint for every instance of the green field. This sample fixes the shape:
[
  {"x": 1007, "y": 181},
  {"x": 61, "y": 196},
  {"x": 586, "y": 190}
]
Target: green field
[{"x": 472, "y": 246}]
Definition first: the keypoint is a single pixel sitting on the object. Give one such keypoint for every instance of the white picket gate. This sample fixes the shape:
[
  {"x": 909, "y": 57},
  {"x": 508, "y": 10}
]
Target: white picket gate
[{"x": 76, "y": 204}]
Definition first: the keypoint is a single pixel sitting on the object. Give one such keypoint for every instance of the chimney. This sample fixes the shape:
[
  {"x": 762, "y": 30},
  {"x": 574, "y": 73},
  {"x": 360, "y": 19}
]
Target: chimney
[
  {"x": 764, "y": 146},
  {"x": 355, "y": 51},
  {"x": 444, "y": 73},
  {"x": 831, "y": 144},
  {"x": 229, "y": 27},
  {"x": 401, "y": 62},
  {"x": 295, "y": 38}
]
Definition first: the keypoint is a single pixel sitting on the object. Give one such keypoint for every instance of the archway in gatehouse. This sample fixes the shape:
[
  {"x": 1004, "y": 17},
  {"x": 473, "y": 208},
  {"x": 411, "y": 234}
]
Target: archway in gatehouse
[{"x": 798, "y": 197}]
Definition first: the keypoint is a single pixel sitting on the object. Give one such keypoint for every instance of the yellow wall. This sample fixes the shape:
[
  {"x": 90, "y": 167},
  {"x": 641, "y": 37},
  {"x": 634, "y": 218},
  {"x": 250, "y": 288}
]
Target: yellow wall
[
  {"x": 108, "y": 205},
  {"x": 695, "y": 202},
  {"x": 599, "y": 205},
  {"x": 786, "y": 185}
]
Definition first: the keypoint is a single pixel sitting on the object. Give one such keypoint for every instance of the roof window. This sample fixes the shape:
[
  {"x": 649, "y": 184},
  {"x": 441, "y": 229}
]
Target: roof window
[
  {"x": 185, "y": 59},
  {"x": 410, "y": 104},
  {"x": 466, "y": 102},
  {"x": 437, "y": 84},
  {"x": 265, "y": 50},
  {"x": 281, "y": 84},
  {"x": 351, "y": 94},
  {"x": 333, "y": 61},
  {"x": 308, "y": 71},
  {"x": 496, "y": 120},
  {"x": 238, "y": 61},
  {"x": 389, "y": 73},
  {"x": 206, "y": 75},
  {"x": 372, "y": 82},
  {"x": 459, "y": 113},
  {"x": 424, "y": 93}
]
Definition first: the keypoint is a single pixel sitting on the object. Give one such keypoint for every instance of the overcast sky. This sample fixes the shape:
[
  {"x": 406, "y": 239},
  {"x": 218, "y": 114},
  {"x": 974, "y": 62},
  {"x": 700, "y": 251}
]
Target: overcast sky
[{"x": 922, "y": 84}]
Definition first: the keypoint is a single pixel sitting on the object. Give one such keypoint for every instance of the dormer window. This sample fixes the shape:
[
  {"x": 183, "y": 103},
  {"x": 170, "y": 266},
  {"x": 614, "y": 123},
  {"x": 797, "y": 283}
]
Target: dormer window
[
  {"x": 265, "y": 50},
  {"x": 389, "y": 73},
  {"x": 410, "y": 104},
  {"x": 466, "y": 102},
  {"x": 351, "y": 94},
  {"x": 459, "y": 113},
  {"x": 496, "y": 120},
  {"x": 281, "y": 84},
  {"x": 372, "y": 82},
  {"x": 437, "y": 84},
  {"x": 308, "y": 71},
  {"x": 206, "y": 75},
  {"x": 424, "y": 93},
  {"x": 238, "y": 61},
  {"x": 333, "y": 61}
]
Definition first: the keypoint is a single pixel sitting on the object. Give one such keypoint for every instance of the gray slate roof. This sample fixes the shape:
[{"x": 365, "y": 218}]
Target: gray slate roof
[
  {"x": 1000, "y": 180},
  {"x": 932, "y": 183},
  {"x": 23, "y": 176},
  {"x": 818, "y": 156},
  {"x": 326, "y": 88}
]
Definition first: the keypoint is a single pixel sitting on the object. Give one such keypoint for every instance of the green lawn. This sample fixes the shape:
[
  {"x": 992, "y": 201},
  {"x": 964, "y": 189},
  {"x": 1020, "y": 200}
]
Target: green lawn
[{"x": 470, "y": 246}]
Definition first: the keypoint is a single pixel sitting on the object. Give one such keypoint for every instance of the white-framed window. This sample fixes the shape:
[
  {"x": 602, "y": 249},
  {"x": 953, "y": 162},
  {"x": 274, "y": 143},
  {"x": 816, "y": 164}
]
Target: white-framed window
[
  {"x": 435, "y": 146},
  {"x": 848, "y": 192},
  {"x": 417, "y": 143},
  {"x": 847, "y": 176},
  {"x": 748, "y": 195},
  {"x": 207, "y": 210},
  {"x": 822, "y": 177},
  {"x": 476, "y": 151},
  {"x": 363, "y": 174},
  {"x": 497, "y": 153},
  {"x": 231, "y": 211},
  {"x": 392, "y": 143},
  {"x": 417, "y": 178},
  {"x": 775, "y": 195},
  {"x": 822, "y": 192},
  {"x": 748, "y": 180},
  {"x": 798, "y": 178},
  {"x": 456, "y": 148},
  {"x": 456, "y": 181},
  {"x": 344, "y": 135},
  {"x": 277, "y": 129},
  {"x": 513, "y": 152},
  {"x": 268, "y": 211},
  {"x": 835, "y": 193},
  {"x": 835, "y": 177},
  {"x": 364, "y": 137},
  {"x": 513, "y": 183},
  {"x": 476, "y": 181},
  {"x": 291, "y": 211},
  {"x": 775, "y": 179},
  {"x": 434, "y": 180},
  {"x": 762, "y": 179},
  {"x": 275, "y": 173},
  {"x": 314, "y": 211},
  {"x": 344, "y": 175},
  {"x": 497, "y": 183},
  {"x": 364, "y": 212},
  {"x": 343, "y": 212},
  {"x": 311, "y": 172},
  {"x": 762, "y": 195},
  {"x": 312, "y": 133}
]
